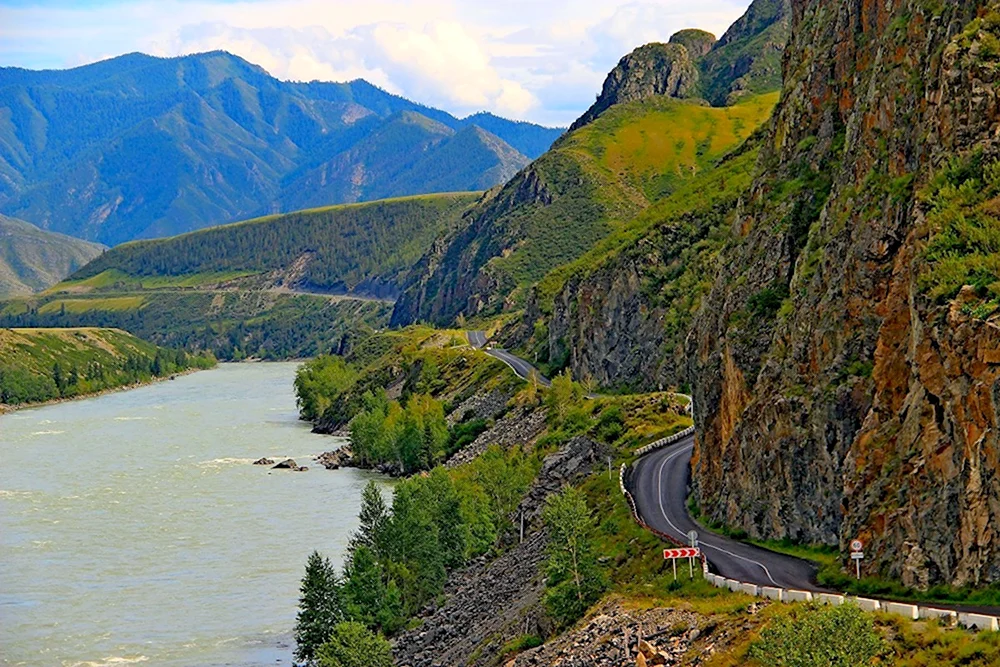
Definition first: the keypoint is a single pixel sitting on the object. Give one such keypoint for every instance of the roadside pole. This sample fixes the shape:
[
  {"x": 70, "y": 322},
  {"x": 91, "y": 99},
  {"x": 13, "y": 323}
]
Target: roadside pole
[{"x": 857, "y": 556}]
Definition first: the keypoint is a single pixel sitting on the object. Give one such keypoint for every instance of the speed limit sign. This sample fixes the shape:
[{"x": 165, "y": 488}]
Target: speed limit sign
[{"x": 856, "y": 545}]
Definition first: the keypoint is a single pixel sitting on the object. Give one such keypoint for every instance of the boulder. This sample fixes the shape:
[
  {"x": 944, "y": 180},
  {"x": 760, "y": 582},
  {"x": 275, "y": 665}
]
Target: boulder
[
  {"x": 287, "y": 464},
  {"x": 264, "y": 461}
]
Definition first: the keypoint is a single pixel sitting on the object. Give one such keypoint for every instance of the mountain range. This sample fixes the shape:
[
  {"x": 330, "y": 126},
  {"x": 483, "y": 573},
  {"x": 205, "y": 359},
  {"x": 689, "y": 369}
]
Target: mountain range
[{"x": 140, "y": 147}]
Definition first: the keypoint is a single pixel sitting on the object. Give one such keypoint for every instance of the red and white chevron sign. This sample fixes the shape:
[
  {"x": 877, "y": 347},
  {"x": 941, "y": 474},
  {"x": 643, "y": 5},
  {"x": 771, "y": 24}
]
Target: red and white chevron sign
[{"x": 669, "y": 554}]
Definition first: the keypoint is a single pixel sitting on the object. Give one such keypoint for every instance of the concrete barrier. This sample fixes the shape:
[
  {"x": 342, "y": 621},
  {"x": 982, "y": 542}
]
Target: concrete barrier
[
  {"x": 946, "y": 616},
  {"x": 979, "y": 621},
  {"x": 867, "y": 604},
  {"x": 749, "y": 589},
  {"x": 733, "y": 585},
  {"x": 909, "y": 611},
  {"x": 798, "y": 596},
  {"x": 718, "y": 581},
  {"x": 772, "y": 593},
  {"x": 829, "y": 598}
]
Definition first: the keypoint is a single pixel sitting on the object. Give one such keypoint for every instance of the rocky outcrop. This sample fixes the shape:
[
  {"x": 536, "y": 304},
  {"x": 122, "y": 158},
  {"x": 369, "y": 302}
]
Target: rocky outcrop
[
  {"x": 653, "y": 69},
  {"x": 336, "y": 459},
  {"x": 515, "y": 428},
  {"x": 837, "y": 398},
  {"x": 616, "y": 634},
  {"x": 697, "y": 42},
  {"x": 289, "y": 464},
  {"x": 481, "y": 405}
]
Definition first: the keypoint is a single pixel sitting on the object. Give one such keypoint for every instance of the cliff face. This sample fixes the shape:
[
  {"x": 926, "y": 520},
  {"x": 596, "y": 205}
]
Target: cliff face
[
  {"x": 653, "y": 69},
  {"x": 846, "y": 386}
]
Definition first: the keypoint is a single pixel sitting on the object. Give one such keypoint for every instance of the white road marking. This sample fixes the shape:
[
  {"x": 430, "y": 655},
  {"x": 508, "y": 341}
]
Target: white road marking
[{"x": 678, "y": 531}]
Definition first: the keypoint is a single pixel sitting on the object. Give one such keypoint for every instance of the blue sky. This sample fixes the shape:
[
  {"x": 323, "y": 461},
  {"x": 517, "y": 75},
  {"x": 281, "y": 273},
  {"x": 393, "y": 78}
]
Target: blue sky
[{"x": 539, "y": 61}]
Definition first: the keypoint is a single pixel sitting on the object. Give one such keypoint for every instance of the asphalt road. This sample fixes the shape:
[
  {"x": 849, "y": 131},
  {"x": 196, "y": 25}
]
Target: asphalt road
[
  {"x": 477, "y": 339},
  {"x": 659, "y": 484}
]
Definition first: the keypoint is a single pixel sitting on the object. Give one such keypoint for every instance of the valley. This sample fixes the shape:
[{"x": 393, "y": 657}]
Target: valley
[{"x": 746, "y": 303}]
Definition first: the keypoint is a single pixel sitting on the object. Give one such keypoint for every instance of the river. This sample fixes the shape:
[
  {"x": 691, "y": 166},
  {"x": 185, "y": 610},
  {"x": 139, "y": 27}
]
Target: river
[{"x": 134, "y": 529}]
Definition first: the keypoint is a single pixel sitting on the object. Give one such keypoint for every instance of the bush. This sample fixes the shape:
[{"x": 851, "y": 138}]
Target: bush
[
  {"x": 354, "y": 645},
  {"x": 813, "y": 636}
]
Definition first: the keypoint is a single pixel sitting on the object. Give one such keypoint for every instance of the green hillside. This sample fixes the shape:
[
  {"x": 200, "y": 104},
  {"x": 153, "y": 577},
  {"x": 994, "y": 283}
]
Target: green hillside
[
  {"x": 590, "y": 184},
  {"x": 32, "y": 259},
  {"x": 338, "y": 248},
  {"x": 44, "y": 364}
]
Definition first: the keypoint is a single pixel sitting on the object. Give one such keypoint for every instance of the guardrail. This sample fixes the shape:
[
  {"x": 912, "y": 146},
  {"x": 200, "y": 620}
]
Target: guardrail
[{"x": 979, "y": 622}]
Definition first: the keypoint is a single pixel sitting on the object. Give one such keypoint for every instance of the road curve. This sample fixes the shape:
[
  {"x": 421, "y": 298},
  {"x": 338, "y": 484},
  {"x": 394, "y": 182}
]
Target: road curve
[
  {"x": 524, "y": 370},
  {"x": 659, "y": 483}
]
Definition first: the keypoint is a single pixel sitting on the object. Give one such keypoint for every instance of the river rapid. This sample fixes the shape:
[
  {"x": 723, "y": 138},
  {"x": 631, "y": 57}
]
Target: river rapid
[{"x": 134, "y": 529}]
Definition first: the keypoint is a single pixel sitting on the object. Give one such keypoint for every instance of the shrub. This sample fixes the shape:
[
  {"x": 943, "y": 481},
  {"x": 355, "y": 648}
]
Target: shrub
[
  {"x": 813, "y": 636},
  {"x": 354, "y": 645}
]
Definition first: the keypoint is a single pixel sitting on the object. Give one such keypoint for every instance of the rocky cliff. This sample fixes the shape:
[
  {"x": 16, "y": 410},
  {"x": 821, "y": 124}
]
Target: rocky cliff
[
  {"x": 653, "y": 69},
  {"x": 845, "y": 363}
]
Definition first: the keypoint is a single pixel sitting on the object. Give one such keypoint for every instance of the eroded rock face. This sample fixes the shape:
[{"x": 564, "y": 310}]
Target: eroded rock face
[
  {"x": 860, "y": 407},
  {"x": 653, "y": 69}
]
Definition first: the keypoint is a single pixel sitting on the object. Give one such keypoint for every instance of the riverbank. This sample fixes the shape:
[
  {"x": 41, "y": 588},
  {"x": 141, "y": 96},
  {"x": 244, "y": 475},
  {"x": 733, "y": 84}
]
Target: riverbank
[{"x": 8, "y": 409}]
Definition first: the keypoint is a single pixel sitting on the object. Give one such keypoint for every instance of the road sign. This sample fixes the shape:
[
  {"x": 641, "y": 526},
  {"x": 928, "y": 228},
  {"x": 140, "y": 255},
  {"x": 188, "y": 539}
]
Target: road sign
[
  {"x": 856, "y": 545},
  {"x": 693, "y": 538},
  {"x": 857, "y": 555},
  {"x": 690, "y": 553}
]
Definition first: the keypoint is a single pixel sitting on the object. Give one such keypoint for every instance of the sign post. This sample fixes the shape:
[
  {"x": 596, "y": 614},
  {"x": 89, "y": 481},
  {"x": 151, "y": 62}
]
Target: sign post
[
  {"x": 693, "y": 543},
  {"x": 857, "y": 556},
  {"x": 674, "y": 554}
]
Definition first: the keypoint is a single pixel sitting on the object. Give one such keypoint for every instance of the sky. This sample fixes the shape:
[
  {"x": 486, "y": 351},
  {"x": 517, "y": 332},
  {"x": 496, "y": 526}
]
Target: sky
[{"x": 537, "y": 60}]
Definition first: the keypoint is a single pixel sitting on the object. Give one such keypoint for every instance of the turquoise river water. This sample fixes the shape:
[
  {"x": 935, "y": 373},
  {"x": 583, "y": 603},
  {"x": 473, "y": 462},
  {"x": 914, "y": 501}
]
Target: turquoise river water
[{"x": 134, "y": 529}]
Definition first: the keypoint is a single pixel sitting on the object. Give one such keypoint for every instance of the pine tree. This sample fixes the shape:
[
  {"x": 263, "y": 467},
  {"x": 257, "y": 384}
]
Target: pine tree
[
  {"x": 374, "y": 518},
  {"x": 319, "y": 607}
]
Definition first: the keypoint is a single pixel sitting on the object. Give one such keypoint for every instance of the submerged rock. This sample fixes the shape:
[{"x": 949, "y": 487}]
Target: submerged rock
[
  {"x": 264, "y": 461},
  {"x": 287, "y": 464}
]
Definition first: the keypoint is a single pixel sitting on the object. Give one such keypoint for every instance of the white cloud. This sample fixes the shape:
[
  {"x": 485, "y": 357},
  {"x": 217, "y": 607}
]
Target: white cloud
[{"x": 543, "y": 61}]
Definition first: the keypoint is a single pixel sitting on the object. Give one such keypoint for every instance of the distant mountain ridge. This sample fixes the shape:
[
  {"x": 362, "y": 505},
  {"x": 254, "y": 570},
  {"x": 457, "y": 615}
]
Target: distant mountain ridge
[
  {"x": 222, "y": 140},
  {"x": 32, "y": 259}
]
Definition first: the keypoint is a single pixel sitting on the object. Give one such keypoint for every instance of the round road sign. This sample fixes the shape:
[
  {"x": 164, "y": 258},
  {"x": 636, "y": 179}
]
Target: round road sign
[
  {"x": 856, "y": 545},
  {"x": 693, "y": 538}
]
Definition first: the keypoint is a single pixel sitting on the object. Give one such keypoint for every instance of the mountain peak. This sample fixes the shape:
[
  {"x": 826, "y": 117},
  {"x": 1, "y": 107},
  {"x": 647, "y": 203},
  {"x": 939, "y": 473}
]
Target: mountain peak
[{"x": 652, "y": 69}]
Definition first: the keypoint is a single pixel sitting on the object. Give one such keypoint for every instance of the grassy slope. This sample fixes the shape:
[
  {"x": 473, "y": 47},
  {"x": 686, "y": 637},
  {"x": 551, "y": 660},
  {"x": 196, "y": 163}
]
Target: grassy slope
[
  {"x": 338, "y": 246},
  {"x": 632, "y": 156},
  {"x": 43, "y": 364},
  {"x": 33, "y": 259}
]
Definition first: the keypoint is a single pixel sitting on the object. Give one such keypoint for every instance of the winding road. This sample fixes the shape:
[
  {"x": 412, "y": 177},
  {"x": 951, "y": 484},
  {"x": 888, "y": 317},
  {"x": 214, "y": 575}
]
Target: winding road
[
  {"x": 659, "y": 484},
  {"x": 477, "y": 339}
]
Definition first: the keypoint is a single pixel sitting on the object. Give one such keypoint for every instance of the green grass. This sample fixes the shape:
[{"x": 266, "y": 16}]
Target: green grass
[
  {"x": 611, "y": 170},
  {"x": 77, "y": 306},
  {"x": 119, "y": 280}
]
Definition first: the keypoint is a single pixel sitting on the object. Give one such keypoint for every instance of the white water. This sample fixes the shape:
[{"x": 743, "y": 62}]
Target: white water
[{"x": 134, "y": 530}]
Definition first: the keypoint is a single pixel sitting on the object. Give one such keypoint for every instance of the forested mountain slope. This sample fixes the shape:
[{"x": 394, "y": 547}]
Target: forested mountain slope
[
  {"x": 366, "y": 248},
  {"x": 32, "y": 259},
  {"x": 219, "y": 140}
]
